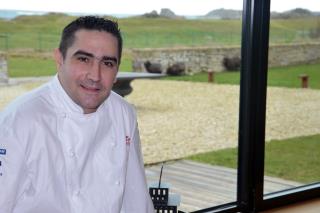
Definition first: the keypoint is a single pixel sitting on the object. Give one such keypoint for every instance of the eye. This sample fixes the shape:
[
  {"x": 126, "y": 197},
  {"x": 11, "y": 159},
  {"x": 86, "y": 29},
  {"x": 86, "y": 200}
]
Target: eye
[
  {"x": 109, "y": 63},
  {"x": 83, "y": 59}
]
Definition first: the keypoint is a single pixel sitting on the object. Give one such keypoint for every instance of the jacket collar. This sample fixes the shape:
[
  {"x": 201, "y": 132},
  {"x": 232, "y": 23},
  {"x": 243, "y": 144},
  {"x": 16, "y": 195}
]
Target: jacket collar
[{"x": 63, "y": 100}]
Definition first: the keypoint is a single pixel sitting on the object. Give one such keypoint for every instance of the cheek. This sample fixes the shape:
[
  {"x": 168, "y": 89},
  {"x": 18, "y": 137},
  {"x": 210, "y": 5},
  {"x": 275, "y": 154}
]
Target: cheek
[
  {"x": 108, "y": 80},
  {"x": 75, "y": 74}
]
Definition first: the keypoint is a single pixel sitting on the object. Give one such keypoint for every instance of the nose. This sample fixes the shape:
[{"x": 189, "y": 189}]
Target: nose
[{"x": 95, "y": 72}]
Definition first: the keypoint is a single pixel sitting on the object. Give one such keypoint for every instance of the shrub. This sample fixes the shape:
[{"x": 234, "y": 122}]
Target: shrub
[
  {"x": 176, "y": 69},
  {"x": 232, "y": 63}
]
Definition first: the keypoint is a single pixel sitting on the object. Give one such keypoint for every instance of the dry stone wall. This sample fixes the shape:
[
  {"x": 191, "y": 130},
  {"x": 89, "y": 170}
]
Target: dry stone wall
[
  {"x": 3, "y": 69},
  {"x": 210, "y": 58}
]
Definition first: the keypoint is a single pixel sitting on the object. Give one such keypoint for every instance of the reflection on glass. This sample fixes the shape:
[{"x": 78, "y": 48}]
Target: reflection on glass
[
  {"x": 183, "y": 116},
  {"x": 179, "y": 116},
  {"x": 293, "y": 120}
]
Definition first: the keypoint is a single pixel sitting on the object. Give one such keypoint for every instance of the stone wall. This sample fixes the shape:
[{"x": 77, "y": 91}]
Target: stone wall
[
  {"x": 210, "y": 58},
  {"x": 3, "y": 69}
]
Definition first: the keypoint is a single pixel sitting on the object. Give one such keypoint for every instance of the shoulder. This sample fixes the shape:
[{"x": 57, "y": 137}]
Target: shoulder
[
  {"x": 26, "y": 106},
  {"x": 117, "y": 100},
  {"x": 119, "y": 107}
]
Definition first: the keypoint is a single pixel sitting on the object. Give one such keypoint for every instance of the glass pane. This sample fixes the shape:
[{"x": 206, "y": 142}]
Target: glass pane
[
  {"x": 293, "y": 118},
  {"x": 182, "y": 116}
]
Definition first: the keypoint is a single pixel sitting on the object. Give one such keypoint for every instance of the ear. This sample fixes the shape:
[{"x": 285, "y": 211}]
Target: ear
[{"x": 58, "y": 59}]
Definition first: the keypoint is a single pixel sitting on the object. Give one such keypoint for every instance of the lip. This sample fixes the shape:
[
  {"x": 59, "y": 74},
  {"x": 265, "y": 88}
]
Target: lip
[{"x": 90, "y": 89}]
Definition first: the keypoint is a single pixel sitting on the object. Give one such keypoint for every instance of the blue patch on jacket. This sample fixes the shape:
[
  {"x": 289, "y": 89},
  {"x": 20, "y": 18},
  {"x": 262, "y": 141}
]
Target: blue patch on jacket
[{"x": 2, "y": 151}]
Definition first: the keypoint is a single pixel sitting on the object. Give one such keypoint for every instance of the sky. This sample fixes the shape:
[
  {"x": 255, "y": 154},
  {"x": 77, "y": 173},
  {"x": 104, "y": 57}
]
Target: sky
[{"x": 179, "y": 7}]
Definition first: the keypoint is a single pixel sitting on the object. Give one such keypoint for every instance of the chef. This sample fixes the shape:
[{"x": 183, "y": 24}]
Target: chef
[{"x": 72, "y": 145}]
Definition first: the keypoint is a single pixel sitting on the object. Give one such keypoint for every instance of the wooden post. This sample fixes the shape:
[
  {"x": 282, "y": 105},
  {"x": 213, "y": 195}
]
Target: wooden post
[
  {"x": 210, "y": 76},
  {"x": 304, "y": 81}
]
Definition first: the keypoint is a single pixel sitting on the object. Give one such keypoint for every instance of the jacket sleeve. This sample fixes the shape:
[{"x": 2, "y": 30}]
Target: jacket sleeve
[
  {"x": 136, "y": 194},
  {"x": 12, "y": 169}
]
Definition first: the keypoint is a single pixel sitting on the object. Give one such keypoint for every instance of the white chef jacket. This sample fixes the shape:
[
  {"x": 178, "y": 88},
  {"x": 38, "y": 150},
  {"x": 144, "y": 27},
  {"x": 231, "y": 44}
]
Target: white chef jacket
[{"x": 55, "y": 159}]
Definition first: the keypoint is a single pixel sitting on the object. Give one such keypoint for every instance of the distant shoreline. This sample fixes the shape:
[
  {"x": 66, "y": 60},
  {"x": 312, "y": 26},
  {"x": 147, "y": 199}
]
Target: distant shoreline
[
  {"x": 11, "y": 14},
  {"x": 214, "y": 14}
]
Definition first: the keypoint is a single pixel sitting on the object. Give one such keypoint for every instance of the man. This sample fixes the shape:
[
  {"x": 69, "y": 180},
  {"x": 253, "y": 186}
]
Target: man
[{"x": 73, "y": 145}]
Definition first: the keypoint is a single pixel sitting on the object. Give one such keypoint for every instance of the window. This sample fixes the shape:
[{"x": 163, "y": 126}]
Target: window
[{"x": 250, "y": 197}]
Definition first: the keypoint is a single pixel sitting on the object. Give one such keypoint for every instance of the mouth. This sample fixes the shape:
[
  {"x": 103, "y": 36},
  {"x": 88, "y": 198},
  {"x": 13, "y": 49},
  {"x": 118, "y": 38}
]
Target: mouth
[{"x": 90, "y": 89}]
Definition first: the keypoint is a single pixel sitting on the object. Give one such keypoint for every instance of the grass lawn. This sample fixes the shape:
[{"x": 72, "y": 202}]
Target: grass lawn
[
  {"x": 279, "y": 76},
  {"x": 294, "y": 159},
  {"x": 28, "y": 31},
  {"x": 21, "y": 66},
  {"x": 27, "y": 67}
]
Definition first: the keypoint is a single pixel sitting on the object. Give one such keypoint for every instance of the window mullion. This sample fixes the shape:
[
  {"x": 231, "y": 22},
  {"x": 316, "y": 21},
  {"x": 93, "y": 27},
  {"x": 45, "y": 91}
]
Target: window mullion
[{"x": 252, "y": 113}]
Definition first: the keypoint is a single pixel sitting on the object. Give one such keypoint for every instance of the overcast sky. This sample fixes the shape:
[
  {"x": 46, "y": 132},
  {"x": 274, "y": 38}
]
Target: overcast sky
[{"x": 180, "y": 7}]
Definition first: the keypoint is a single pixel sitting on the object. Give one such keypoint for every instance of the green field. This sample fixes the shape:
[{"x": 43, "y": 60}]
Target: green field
[
  {"x": 24, "y": 35},
  {"x": 301, "y": 155},
  {"x": 23, "y": 66},
  {"x": 277, "y": 76},
  {"x": 42, "y": 32}
]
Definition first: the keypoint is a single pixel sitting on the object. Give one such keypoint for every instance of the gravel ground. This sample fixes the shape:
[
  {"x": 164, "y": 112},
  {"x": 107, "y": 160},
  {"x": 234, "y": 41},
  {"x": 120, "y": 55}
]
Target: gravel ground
[{"x": 177, "y": 119}]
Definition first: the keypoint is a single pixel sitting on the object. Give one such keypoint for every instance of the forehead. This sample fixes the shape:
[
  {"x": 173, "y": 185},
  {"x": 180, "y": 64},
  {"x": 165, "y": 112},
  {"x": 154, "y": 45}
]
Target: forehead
[{"x": 99, "y": 43}]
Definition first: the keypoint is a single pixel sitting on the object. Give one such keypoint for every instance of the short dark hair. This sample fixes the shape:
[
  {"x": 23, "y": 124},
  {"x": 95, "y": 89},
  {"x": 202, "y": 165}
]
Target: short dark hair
[{"x": 89, "y": 23}]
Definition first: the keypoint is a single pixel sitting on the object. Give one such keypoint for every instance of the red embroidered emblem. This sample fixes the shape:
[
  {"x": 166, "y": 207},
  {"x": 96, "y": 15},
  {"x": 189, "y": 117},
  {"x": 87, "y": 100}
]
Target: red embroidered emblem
[{"x": 128, "y": 140}]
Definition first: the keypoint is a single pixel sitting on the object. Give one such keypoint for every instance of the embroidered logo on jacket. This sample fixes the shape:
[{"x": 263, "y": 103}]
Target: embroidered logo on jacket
[
  {"x": 2, "y": 151},
  {"x": 128, "y": 140}
]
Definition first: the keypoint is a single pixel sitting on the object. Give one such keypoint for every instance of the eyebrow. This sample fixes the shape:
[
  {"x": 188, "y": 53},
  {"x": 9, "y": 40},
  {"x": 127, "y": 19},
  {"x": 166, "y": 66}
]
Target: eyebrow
[{"x": 107, "y": 58}]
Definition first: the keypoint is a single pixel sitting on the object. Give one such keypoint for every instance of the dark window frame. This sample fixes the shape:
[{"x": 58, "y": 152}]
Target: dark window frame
[{"x": 252, "y": 117}]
